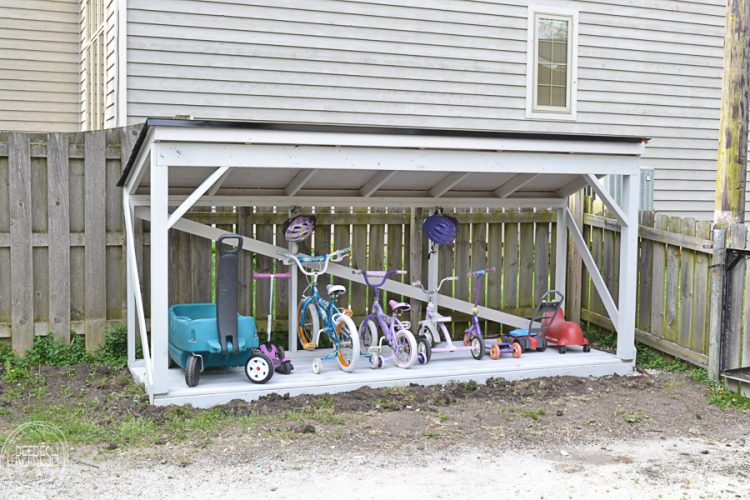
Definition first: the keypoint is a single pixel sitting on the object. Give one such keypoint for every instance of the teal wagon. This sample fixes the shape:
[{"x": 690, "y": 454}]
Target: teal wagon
[{"x": 205, "y": 336}]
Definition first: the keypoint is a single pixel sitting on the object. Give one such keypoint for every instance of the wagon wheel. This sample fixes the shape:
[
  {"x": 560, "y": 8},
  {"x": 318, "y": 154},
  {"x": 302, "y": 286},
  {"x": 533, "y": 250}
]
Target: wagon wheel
[
  {"x": 516, "y": 350},
  {"x": 192, "y": 371}
]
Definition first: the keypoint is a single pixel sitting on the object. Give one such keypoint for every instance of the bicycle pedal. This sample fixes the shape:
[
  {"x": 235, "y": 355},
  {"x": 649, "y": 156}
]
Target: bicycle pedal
[{"x": 308, "y": 346}]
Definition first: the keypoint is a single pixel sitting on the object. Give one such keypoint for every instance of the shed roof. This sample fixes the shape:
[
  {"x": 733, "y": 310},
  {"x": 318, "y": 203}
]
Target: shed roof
[{"x": 354, "y": 162}]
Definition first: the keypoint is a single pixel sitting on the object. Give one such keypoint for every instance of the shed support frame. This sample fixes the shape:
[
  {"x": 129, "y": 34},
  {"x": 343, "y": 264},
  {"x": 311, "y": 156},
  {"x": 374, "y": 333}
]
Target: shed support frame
[{"x": 152, "y": 164}]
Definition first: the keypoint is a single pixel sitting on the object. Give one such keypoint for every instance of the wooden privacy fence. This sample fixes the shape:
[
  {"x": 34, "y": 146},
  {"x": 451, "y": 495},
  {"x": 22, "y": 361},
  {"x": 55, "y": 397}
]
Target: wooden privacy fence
[
  {"x": 674, "y": 306},
  {"x": 61, "y": 244},
  {"x": 62, "y": 255}
]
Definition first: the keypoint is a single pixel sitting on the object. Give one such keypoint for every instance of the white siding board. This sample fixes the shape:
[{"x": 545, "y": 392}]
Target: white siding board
[
  {"x": 645, "y": 67},
  {"x": 39, "y": 56}
]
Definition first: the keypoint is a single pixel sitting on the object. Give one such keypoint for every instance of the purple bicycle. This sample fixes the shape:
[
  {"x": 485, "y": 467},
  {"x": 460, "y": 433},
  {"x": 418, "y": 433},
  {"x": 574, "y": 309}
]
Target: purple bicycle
[{"x": 396, "y": 333}]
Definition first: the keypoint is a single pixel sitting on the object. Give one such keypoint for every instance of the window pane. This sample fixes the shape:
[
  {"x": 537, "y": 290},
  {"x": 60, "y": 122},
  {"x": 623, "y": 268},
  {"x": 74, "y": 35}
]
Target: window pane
[
  {"x": 558, "y": 97},
  {"x": 543, "y": 92},
  {"x": 559, "y": 75},
  {"x": 552, "y": 62},
  {"x": 552, "y": 29},
  {"x": 544, "y": 75},
  {"x": 560, "y": 53}
]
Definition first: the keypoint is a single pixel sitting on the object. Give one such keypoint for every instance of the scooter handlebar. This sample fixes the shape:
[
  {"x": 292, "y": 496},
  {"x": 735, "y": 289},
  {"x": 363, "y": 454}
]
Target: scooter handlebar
[
  {"x": 481, "y": 272},
  {"x": 282, "y": 276}
]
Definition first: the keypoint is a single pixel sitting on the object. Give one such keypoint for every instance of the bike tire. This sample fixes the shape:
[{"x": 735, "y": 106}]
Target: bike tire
[
  {"x": 404, "y": 341},
  {"x": 348, "y": 338},
  {"x": 308, "y": 324}
]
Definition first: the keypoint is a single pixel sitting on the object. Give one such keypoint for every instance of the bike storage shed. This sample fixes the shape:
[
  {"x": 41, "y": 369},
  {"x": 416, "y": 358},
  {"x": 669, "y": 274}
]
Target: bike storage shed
[{"x": 177, "y": 165}]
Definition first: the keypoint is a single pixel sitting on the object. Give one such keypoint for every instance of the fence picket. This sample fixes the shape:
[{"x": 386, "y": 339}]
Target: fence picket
[
  {"x": 510, "y": 266},
  {"x": 526, "y": 299},
  {"x": 58, "y": 229},
  {"x": 21, "y": 264},
  {"x": 699, "y": 337},
  {"x": 597, "y": 241},
  {"x": 672, "y": 289},
  {"x": 657, "y": 282},
  {"x": 645, "y": 276},
  {"x": 541, "y": 261},
  {"x": 687, "y": 284}
]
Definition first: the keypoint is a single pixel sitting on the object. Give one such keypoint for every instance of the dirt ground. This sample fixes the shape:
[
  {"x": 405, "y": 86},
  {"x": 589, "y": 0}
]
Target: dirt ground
[{"x": 651, "y": 435}]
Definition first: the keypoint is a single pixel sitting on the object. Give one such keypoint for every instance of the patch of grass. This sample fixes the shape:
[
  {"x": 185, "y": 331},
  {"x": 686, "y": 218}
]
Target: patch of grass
[
  {"x": 431, "y": 435},
  {"x": 443, "y": 418},
  {"x": 718, "y": 394},
  {"x": 635, "y": 418},
  {"x": 651, "y": 359},
  {"x": 534, "y": 415},
  {"x": 601, "y": 338}
]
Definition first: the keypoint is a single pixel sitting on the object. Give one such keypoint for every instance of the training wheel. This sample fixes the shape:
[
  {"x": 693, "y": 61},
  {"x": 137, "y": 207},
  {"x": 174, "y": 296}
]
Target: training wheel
[
  {"x": 587, "y": 348},
  {"x": 381, "y": 361},
  {"x": 562, "y": 350},
  {"x": 317, "y": 366},
  {"x": 495, "y": 352}
]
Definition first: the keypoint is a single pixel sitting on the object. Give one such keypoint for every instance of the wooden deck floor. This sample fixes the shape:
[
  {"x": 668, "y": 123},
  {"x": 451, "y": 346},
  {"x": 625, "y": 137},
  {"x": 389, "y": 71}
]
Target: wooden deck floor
[{"x": 222, "y": 386}]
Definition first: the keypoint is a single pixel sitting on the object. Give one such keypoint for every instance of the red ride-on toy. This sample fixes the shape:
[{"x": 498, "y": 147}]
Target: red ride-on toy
[
  {"x": 563, "y": 334},
  {"x": 547, "y": 312}
]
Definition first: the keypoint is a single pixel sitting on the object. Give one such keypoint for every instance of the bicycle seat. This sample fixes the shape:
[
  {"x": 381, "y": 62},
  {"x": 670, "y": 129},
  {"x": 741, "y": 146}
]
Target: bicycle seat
[
  {"x": 399, "y": 306},
  {"x": 335, "y": 290}
]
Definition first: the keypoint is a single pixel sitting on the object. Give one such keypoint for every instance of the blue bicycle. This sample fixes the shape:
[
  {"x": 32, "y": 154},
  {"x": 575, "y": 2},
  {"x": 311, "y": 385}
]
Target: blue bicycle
[{"x": 314, "y": 309}]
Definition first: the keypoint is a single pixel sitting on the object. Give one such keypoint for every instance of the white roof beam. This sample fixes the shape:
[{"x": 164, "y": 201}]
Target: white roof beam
[
  {"x": 196, "y": 195},
  {"x": 602, "y": 193},
  {"x": 332, "y": 200},
  {"x": 447, "y": 183},
  {"x": 572, "y": 187},
  {"x": 376, "y": 182},
  {"x": 514, "y": 184},
  {"x": 217, "y": 185},
  {"x": 299, "y": 181},
  {"x": 596, "y": 276}
]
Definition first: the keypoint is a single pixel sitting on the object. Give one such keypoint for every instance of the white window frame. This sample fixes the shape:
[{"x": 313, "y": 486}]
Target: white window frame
[{"x": 551, "y": 113}]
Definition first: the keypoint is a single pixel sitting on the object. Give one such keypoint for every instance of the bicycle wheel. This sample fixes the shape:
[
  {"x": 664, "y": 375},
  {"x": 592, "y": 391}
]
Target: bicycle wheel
[
  {"x": 368, "y": 334},
  {"x": 405, "y": 349},
  {"x": 308, "y": 324},
  {"x": 348, "y": 346}
]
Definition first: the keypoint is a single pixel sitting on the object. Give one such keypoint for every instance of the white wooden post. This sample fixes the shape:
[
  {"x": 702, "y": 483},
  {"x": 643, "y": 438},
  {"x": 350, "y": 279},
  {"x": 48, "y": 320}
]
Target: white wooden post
[
  {"x": 159, "y": 272},
  {"x": 292, "y": 345},
  {"x": 432, "y": 268},
  {"x": 628, "y": 269},
  {"x": 131, "y": 289},
  {"x": 561, "y": 252}
]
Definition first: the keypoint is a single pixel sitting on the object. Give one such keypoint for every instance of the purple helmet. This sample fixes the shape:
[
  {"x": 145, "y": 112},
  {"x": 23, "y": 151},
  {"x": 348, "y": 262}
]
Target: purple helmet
[
  {"x": 299, "y": 228},
  {"x": 442, "y": 229}
]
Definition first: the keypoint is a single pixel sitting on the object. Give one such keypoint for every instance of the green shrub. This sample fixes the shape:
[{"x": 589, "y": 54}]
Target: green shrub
[
  {"x": 114, "y": 351},
  {"x": 48, "y": 351}
]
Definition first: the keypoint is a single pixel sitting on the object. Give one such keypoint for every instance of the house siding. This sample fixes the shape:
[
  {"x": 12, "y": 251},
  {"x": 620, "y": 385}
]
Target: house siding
[
  {"x": 645, "y": 67},
  {"x": 39, "y": 58}
]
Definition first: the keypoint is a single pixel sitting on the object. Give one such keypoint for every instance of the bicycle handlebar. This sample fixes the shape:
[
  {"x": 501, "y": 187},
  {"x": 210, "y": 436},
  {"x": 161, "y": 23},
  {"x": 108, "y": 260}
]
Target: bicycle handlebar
[
  {"x": 336, "y": 256},
  {"x": 440, "y": 285},
  {"x": 283, "y": 276},
  {"x": 377, "y": 274}
]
